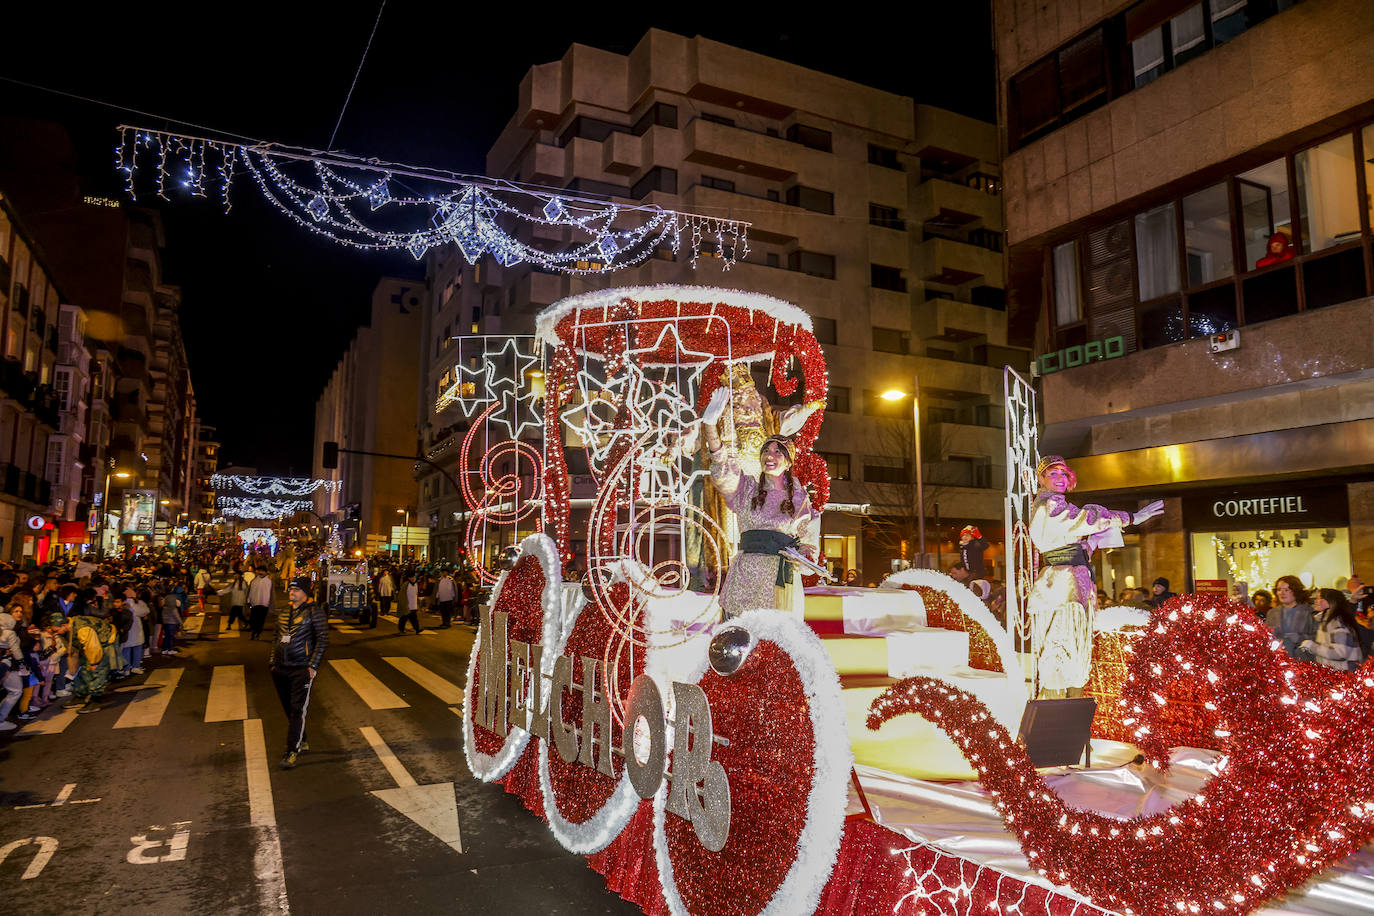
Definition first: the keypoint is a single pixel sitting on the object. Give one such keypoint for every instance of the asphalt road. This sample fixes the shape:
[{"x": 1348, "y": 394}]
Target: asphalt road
[{"x": 170, "y": 800}]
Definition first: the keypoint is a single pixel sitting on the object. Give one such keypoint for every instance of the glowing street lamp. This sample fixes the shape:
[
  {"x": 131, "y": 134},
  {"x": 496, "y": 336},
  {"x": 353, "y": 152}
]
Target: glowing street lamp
[{"x": 895, "y": 394}]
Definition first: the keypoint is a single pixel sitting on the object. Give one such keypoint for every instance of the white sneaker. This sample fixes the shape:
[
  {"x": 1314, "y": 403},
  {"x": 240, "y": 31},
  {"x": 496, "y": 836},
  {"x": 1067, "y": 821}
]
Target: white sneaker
[
  {"x": 64, "y": 692},
  {"x": 7, "y": 726},
  {"x": 138, "y": 670}
]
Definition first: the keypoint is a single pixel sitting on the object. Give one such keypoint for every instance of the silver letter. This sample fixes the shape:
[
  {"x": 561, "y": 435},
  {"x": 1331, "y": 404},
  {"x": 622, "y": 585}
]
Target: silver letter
[{"x": 644, "y": 703}]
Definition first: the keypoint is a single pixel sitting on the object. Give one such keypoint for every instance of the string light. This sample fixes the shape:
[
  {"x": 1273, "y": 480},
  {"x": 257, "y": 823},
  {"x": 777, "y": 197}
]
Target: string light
[
  {"x": 273, "y": 486},
  {"x": 353, "y": 202},
  {"x": 245, "y": 507}
]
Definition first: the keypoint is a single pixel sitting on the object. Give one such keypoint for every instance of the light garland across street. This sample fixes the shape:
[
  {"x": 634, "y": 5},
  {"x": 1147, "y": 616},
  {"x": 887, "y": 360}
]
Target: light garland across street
[
  {"x": 252, "y": 507},
  {"x": 273, "y": 486},
  {"x": 370, "y": 204}
]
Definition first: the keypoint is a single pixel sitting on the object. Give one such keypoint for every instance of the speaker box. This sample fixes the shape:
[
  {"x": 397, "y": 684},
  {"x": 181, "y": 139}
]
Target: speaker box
[{"x": 1058, "y": 732}]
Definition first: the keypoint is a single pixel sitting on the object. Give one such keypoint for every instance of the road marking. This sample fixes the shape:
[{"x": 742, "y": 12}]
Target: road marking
[
  {"x": 262, "y": 817},
  {"x": 176, "y": 846},
  {"x": 46, "y": 847},
  {"x": 372, "y": 691},
  {"x": 228, "y": 632},
  {"x": 228, "y": 700},
  {"x": 345, "y": 628},
  {"x": 151, "y": 700},
  {"x": 51, "y": 725},
  {"x": 445, "y": 690},
  {"x": 191, "y": 626},
  {"x": 433, "y": 807}
]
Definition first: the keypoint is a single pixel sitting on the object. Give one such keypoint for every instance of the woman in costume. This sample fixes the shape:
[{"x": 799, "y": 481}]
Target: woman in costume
[
  {"x": 774, "y": 514},
  {"x": 1063, "y": 600}
]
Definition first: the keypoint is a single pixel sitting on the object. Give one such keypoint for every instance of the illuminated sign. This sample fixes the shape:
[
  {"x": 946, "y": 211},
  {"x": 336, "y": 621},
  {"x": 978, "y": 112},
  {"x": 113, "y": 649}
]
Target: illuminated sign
[
  {"x": 1081, "y": 354},
  {"x": 1275, "y": 506},
  {"x": 140, "y": 512}
]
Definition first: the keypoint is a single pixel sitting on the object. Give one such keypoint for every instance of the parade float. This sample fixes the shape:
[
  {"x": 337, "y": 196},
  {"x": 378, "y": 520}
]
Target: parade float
[{"x": 826, "y": 762}]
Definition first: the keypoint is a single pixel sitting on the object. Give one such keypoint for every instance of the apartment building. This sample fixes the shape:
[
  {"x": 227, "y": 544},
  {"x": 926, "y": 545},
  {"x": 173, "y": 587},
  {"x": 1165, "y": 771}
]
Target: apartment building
[
  {"x": 201, "y": 505},
  {"x": 1188, "y": 215},
  {"x": 368, "y": 404},
  {"x": 879, "y": 217},
  {"x": 29, "y": 418}
]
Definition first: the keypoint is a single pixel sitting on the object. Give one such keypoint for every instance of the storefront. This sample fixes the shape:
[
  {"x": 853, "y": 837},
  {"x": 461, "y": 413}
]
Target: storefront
[{"x": 1249, "y": 537}]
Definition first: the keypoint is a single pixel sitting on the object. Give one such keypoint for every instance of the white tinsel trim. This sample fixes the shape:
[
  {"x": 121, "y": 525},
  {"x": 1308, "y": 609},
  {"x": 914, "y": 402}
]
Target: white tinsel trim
[
  {"x": 546, "y": 322},
  {"x": 973, "y": 608},
  {"x": 490, "y": 767},
  {"x": 1120, "y": 617},
  {"x": 819, "y": 844}
]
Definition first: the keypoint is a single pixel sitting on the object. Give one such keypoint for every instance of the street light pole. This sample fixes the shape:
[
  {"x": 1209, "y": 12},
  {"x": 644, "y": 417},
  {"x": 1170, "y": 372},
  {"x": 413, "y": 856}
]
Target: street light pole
[{"x": 916, "y": 438}]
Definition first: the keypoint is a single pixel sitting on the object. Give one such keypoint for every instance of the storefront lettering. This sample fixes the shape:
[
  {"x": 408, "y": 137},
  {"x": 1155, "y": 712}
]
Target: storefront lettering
[
  {"x": 1081, "y": 354},
  {"x": 1271, "y": 505},
  {"x": 512, "y": 693},
  {"x": 1262, "y": 543}
]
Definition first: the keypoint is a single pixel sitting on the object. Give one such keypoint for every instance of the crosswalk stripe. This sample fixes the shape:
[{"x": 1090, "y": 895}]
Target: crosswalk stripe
[
  {"x": 191, "y": 626},
  {"x": 51, "y": 725},
  {"x": 228, "y": 700},
  {"x": 346, "y": 629},
  {"x": 370, "y": 690},
  {"x": 150, "y": 702},
  {"x": 228, "y": 632},
  {"x": 445, "y": 690},
  {"x": 430, "y": 631}
]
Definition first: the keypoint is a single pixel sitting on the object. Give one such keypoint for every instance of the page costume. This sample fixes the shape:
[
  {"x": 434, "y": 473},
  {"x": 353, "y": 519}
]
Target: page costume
[
  {"x": 758, "y": 577},
  {"x": 1063, "y": 600}
]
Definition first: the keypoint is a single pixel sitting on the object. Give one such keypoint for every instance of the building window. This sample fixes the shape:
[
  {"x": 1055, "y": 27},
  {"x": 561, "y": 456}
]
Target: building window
[
  {"x": 1328, "y": 209},
  {"x": 812, "y": 263},
  {"x": 887, "y": 217},
  {"x": 824, "y": 329},
  {"x": 1156, "y": 252},
  {"x": 659, "y": 114},
  {"x": 811, "y": 137},
  {"x": 881, "y": 277},
  {"x": 1207, "y": 235},
  {"x": 837, "y": 399},
  {"x": 882, "y": 469},
  {"x": 836, "y": 464},
  {"x": 720, "y": 184},
  {"x": 717, "y": 119},
  {"x": 1265, "y": 209},
  {"x": 586, "y": 128},
  {"x": 881, "y": 155},
  {"x": 658, "y": 178},
  {"x": 62, "y": 387},
  {"x": 1068, "y": 307},
  {"x": 891, "y": 340},
  {"x": 811, "y": 199}
]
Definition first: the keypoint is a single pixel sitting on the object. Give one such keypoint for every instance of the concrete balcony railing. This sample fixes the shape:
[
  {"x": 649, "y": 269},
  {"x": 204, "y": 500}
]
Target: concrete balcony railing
[
  {"x": 744, "y": 152},
  {"x": 955, "y": 263},
  {"x": 621, "y": 154},
  {"x": 943, "y": 439},
  {"x": 549, "y": 164},
  {"x": 957, "y": 204},
  {"x": 945, "y": 317},
  {"x": 942, "y": 377}
]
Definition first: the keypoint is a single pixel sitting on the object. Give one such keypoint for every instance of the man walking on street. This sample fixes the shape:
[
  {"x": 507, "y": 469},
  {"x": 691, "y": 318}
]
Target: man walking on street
[
  {"x": 259, "y": 602},
  {"x": 410, "y": 605},
  {"x": 302, "y": 636},
  {"x": 445, "y": 593},
  {"x": 385, "y": 588}
]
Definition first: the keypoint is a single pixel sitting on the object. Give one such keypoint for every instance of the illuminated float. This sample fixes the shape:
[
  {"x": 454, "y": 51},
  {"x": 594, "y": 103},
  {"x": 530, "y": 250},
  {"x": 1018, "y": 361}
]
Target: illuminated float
[{"x": 708, "y": 768}]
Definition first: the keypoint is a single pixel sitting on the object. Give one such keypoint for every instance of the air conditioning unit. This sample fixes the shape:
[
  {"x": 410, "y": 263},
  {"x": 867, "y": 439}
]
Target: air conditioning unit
[{"x": 1226, "y": 340}]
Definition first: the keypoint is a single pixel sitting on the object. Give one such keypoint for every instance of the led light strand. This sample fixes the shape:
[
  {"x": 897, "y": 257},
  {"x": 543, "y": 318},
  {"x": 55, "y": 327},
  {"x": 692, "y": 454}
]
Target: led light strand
[
  {"x": 243, "y": 507},
  {"x": 352, "y": 202},
  {"x": 274, "y": 486}
]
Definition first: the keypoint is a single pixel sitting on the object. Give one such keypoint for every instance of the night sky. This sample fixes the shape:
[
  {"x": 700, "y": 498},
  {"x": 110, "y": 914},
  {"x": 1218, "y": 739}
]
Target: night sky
[{"x": 267, "y": 307}]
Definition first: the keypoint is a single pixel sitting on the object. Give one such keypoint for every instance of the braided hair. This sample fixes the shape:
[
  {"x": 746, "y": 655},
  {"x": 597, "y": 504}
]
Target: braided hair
[{"x": 760, "y": 494}]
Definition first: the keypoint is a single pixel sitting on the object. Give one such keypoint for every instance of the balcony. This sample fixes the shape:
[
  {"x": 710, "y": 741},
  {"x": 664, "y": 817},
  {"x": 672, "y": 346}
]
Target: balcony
[
  {"x": 942, "y": 439},
  {"x": 743, "y": 152},
  {"x": 620, "y": 154},
  {"x": 946, "y": 319},
  {"x": 549, "y": 164},
  {"x": 952, "y": 263},
  {"x": 954, "y": 205},
  {"x": 952, "y": 380}
]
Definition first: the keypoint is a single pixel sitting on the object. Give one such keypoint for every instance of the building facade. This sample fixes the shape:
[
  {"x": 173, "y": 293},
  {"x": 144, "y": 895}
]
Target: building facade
[
  {"x": 368, "y": 404},
  {"x": 201, "y": 505},
  {"x": 879, "y": 217},
  {"x": 1189, "y": 228}
]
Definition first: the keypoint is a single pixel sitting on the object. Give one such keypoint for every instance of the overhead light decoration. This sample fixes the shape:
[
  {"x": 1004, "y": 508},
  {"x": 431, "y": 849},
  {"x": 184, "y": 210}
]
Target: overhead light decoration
[
  {"x": 246, "y": 507},
  {"x": 273, "y": 486},
  {"x": 375, "y": 205}
]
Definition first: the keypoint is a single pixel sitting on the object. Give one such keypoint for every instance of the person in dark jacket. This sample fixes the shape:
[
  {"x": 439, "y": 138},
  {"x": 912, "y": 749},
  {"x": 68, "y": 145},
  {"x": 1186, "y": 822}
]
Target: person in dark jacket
[
  {"x": 298, "y": 650},
  {"x": 971, "y": 548},
  {"x": 1161, "y": 592}
]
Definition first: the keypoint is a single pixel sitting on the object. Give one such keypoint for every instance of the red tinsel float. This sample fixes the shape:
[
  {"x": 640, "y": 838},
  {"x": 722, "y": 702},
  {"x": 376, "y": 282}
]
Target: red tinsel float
[
  {"x": 1183, "y": 722},
  {"x": 763, "y": 710},
  {"x": 520, "y": 598},
  {"x": 1291, "y": 798}
]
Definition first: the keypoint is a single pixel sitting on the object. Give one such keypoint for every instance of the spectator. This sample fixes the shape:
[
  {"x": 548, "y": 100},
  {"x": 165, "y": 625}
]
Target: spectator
[
  {"x": 445, "y": 593},
  {"x": 959, "y": 572},
  {"x": 202, "y": 585},
  {"x": 238, "y": 600},
  {"x": 133, "y": 642},
  {"x": 171, "y": 622},
  {"x": 971, "y": 548},
  {"x": 409, "y": 609},
  {"x": 12, "y": 670},
  {"x": 1161, "y": 592},
  {"x": 1261, "y": 601},
  {"x": 1292, "y": 621},
  {"x": 1337, "y": 643},
  {"x": 259, "y": 601},
  {"x": 851, "y": 578}
]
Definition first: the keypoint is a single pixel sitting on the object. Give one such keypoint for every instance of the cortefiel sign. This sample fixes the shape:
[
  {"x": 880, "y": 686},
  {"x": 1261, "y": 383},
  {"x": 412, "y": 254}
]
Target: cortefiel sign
[{"x": 1274, "y": 506}]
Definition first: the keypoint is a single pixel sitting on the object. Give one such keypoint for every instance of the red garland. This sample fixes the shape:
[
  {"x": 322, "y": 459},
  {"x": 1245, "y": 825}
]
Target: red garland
[
  {"x": 1290, "y": 801},
  {"x": 521, "y": 597},
  {"x": 1183, "y": 721},
  {"x": 580, "y": 790},
  {"x": 943, "y": 612},
  {"x": 762, "y": 709}
]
